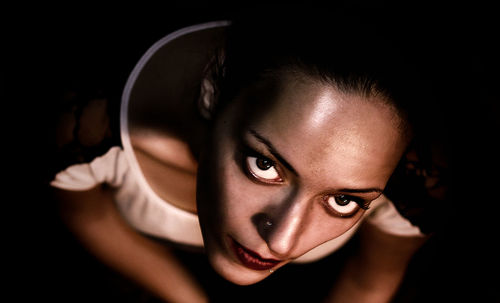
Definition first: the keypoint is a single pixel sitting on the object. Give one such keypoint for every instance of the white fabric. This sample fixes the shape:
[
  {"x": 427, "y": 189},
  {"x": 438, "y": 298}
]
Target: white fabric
[
  {"x": 110, "y": 169},
  {"x": 387, "y": 218},
  {"x": 144, "y": 211},
  {"x": 147, "y": 212}
]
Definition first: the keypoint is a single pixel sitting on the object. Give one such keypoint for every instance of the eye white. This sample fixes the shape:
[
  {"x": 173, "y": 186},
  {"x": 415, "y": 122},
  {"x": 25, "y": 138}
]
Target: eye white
[
  {"x": 268, "y": 173},
  {"x": 342, "y": 209}
]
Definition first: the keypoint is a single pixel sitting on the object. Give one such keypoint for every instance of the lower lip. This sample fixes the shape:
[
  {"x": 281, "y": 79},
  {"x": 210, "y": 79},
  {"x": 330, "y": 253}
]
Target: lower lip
[{"x": 251, "y": 259}]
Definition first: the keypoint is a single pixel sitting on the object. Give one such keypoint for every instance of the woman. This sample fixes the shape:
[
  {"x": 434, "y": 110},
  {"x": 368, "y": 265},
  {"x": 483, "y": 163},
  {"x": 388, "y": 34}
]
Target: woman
[{"x": 272, "y": 143}]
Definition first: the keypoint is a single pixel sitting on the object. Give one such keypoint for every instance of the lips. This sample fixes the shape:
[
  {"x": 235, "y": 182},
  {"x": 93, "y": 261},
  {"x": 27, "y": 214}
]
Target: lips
[{"x": 252, "y": 259}]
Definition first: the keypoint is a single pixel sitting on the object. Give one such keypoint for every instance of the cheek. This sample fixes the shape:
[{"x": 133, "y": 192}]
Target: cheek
[
  {"x": 224, "y": 195},
  {"x": 323, "y": 228},
  {"x": 240, "y": 198}
]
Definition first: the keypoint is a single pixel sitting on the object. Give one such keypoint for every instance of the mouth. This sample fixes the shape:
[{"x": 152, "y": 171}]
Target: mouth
[{"x": 251, "y": 259}]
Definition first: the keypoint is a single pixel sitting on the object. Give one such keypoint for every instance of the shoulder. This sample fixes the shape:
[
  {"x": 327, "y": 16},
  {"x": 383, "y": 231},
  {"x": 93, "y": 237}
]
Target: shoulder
[
  {"x": 420, "y": 188},
  {"x": 86, "y": 127}
]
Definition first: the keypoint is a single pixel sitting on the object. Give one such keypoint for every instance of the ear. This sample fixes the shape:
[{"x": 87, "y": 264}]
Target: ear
[{"x": 206, "y": 101}]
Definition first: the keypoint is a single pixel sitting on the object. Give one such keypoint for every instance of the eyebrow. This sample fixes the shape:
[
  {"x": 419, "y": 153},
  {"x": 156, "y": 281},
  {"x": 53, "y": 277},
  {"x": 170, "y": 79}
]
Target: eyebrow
[
  {"x": 361, "y": 190},
  {"x": 285, "y": 163},
  {"x": 273, "y": 151}
]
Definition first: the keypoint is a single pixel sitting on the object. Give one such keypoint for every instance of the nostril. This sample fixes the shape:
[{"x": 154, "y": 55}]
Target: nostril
[{"x": 263, "y": 224}]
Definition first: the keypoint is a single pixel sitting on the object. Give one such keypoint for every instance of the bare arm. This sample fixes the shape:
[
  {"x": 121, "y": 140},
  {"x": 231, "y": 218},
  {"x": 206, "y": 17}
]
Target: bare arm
[
  {"x": 94, "y": 219},
  {"x": 376, "y": 271}
]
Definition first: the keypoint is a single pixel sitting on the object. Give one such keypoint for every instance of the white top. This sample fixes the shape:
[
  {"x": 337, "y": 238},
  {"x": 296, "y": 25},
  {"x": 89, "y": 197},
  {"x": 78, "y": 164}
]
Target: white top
[{"x": 144, "y": 210}]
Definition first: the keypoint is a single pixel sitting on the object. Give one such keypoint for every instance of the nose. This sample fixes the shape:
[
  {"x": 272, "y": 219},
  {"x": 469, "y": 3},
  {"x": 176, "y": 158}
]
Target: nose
[{"x": 285, "y": 227}]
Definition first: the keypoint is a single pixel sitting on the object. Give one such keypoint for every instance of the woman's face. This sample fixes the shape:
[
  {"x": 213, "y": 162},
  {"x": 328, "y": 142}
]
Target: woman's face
[{"x": 288, "y": 171}]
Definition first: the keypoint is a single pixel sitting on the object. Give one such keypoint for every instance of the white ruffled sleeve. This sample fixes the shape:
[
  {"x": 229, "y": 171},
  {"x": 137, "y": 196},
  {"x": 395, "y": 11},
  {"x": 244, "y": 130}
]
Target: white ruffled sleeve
[
  {"x": 110, "y": 168},
  {"x": 387, "y": 218}
]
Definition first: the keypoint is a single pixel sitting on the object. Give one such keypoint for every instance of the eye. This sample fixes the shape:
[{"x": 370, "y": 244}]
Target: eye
[
  {"x": 342, "y": 205},
  {"x": 263, "y": 168}
]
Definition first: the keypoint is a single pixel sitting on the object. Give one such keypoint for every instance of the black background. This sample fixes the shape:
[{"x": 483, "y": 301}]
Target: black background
[{"x": 48, "y": 50}]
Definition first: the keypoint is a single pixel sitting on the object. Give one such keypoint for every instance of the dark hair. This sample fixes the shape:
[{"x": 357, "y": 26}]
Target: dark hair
[
  {"x": 353, "y": 52},
  {"x": 345, "y": 50}
]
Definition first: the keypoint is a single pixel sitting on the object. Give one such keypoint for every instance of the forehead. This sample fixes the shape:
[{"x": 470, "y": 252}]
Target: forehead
[{"x": 323, "y": 131}]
